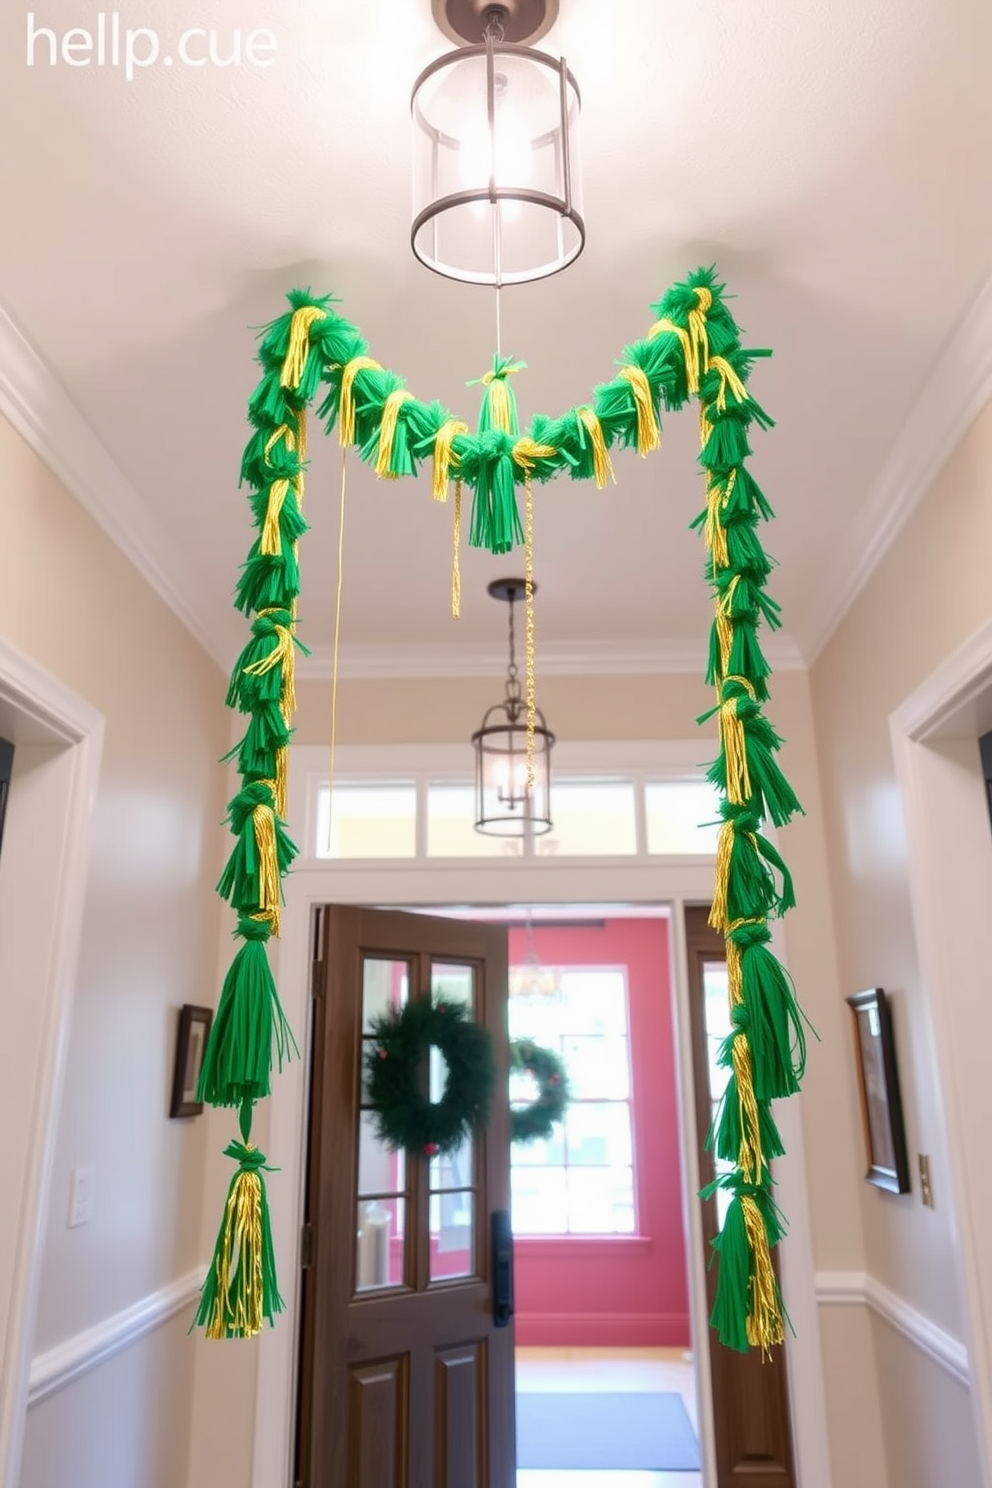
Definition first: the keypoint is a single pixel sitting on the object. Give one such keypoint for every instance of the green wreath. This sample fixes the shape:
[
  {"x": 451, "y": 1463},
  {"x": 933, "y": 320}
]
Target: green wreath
[
  {"x": 528, "y": 1123},
  {"x": 404, "y": 1116}
]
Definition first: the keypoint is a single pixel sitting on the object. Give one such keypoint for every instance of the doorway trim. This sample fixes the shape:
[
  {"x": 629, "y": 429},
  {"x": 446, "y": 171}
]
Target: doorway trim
[
  {"x": 944, "y": 711},
  {"x": 48, "y": 714},
  {"x": 517, "y": 882}
]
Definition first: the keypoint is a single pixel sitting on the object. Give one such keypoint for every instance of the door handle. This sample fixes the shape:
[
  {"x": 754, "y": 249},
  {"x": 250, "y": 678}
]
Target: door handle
[{"x": 502, "y": 1239}]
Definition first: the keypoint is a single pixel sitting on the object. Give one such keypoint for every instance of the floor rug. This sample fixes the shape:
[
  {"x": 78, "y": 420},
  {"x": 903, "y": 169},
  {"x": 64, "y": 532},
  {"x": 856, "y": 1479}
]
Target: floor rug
[{"x": 648, "y": 1432}]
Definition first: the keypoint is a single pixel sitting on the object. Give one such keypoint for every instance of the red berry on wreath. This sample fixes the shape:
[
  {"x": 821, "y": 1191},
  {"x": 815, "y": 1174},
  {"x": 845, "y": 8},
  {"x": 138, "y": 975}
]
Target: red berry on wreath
[
  {"x": 383, "y": 1054},
  {"x": 430, "y": 1148},
  {"x": 554, "y": 1080}
]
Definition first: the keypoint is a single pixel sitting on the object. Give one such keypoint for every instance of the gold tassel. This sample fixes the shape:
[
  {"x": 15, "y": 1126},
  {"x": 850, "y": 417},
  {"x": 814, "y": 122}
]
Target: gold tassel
[
  {"x": 714, "y": 532},
  {"x": 282, "y": 780},
  {"x": 602, "y": 465},
  {"x": 526, "y": 452},
  {"x": 749, "y": 1159},
  {"x": 456, "y": 539},
  {"x": 725, "y": 627},
  {"x": 693, "y": 340},
  {"x": 271, "y": 538},
  {"x": 734, "y": 753},
  {"x": 263, "y": 818},
  {"x": 724, "y": 849},
  {"x": 299, "y": 344},
  {"x": 728, "y": 379},
  {"x": 529, "y": 597},
  {"x": 301, "y": 438},
  {"x": 242, "y": 1314},
  {"x": 764, "y": 1324},
  {"x": 444, "y": 455},
  {"x": 499, "y": 399},
  {"x": 346, "y": 407},
  {"x": 283, "y": 432},
  {"x": 648, "y": 438},
  {"x": 387, "y": 431}
]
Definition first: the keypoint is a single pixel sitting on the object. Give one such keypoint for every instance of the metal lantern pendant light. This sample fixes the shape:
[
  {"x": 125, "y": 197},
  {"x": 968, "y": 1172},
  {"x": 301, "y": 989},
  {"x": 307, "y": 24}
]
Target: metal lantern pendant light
[
  {"x": 506, "y": 805},
  {"x": 496, "y": 184}
]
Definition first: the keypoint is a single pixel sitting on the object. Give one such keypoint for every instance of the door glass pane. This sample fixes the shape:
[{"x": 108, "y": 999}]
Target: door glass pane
[
  {"x": 539, "y": 1200},
  {"x": 716, "y": 1022},
  {"x": 380, "y": 1244},
  {"x": 380, "y": 1171},
  {"x": 453, "y": 983},
  {"x": 452, "y": 1231},
  {"x": 453, "y": 1169},
  {"x": 385, "y": 984}
]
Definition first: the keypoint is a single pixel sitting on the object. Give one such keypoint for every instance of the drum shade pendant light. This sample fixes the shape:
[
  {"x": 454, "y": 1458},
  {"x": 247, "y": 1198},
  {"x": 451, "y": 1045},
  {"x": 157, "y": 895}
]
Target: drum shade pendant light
[
  {"x": 496, "y": 181},
  {"x": 506, "y": 804}
]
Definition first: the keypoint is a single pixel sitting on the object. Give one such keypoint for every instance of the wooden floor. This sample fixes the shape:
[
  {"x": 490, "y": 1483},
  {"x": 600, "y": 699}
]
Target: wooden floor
[{"x": 599, "y": 1371}]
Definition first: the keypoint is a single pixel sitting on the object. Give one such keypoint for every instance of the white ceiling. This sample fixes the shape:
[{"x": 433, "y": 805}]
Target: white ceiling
[{"x": 832, "y": 158}]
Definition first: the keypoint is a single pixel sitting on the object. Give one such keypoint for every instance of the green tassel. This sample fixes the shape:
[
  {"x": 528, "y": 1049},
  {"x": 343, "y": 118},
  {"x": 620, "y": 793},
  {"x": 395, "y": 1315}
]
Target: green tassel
[
  {"x": 241, "y": 1291},
  {"x": 248, "y": 690},
  {"x": 245, "y": 882},
  {"x": 725, "y": 1135},
  {"x": 737, "y": 1271},
  {"x": 727, "y": 443},
  {"x": 291, "y": 524},
  {"x": 268, "y": 581},
  {"x": 498, "y": 410},
  {"x": 771, "y": 794},
  {"x": 267, "y": 733},
  {"x": 487, "y": 467},
  {"x": 249, "y": 1029},
  {"x": 776, "y": 1024}
]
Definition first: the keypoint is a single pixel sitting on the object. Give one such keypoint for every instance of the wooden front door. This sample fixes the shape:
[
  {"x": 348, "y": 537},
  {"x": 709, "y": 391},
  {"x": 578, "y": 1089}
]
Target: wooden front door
[
  {"x": 406, "y": 1376},
  {"x": 750, "y": 1396}
]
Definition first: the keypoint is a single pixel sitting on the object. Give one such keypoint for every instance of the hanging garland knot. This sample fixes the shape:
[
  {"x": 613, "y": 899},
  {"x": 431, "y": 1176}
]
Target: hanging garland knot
[
  {"x": 692, "y": 350},
  {"x": 395, "y": 1067},
  {"x": 536, "y": 1121}
]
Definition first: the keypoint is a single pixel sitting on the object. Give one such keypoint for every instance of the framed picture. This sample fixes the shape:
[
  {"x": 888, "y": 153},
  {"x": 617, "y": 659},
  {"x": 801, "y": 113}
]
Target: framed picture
[
  {"x": 881, "y": 1107},
  {"x": 191, "y": 1042}
]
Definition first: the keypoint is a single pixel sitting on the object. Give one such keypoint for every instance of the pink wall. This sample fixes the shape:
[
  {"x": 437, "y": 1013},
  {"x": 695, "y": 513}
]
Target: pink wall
[{"x": 628, "y": 1290}]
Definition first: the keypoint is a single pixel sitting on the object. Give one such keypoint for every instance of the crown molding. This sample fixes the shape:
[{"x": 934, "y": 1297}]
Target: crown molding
[
  {"x": 36, "y": 404},
  {"x": 953, "y": 396},
  {"x": 554, "y": 659}
]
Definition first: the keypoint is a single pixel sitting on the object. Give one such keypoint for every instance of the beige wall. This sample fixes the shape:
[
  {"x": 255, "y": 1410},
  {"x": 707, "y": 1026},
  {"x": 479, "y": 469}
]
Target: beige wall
[
  {"x": 76, "y": 606},
  {"x": 929, "y": 594}
]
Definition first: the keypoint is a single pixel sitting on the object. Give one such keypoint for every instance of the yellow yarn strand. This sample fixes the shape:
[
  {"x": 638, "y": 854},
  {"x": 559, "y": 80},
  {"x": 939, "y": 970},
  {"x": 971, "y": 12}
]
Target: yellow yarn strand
[
  {"x": 282, "y": 654},
  {"x": 714, "y": 532},
  {"x": 648, "y": 437},
  {"x": 456, "y": 541},
  {"x": 526, "y": 452},
  {"x": 529, "y": 610},
  {"x": 271, "y": 536},
  {"x": 602, "y": 465},
  {"x": 735, "y": 753},
  {"x": 724, "y": 849},
  {"x": 264, "y": 823},
  {"x": 445, "y": 456},
  {"x": 749, "y": 1158},
  {"x": 346, "y": 405},
  {"x": 693, "y": 338},
  {"x": 282, "y": 779},
  {"x": 283, "y": 432},
  {"x": 241, "y": 1315},
  {"x": 725, "y": 628},
  {"x": 301, "y": 439},
  {"x": 764, "y": 1323},
  {"x": 728, "y": 381},
  {"x": 387, "y": 432},
  {"x": 499, "y": 398},
  {"x": 299, "y": 344}
]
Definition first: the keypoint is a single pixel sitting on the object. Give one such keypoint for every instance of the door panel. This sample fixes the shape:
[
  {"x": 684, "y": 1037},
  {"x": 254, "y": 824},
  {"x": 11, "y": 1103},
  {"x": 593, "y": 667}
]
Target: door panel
[
  {"x": 750, "y": 1395},
  {"x": 405, "y": 1380}
]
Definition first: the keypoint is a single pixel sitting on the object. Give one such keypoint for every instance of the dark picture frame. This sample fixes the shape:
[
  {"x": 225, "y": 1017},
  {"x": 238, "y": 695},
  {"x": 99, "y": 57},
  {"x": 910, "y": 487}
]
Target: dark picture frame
[
  {"x": 191, "y": 1044},
  {"x": 878, "y": 1084}
]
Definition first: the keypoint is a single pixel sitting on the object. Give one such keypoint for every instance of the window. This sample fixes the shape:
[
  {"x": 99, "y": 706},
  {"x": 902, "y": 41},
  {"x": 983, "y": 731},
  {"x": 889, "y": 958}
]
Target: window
[
  {"x": 591, "y": 818},
  {"x": 371, "y": 820},
  {"x": 580, "y": 1180},
  {"x": 451, "y": 827},
  {"x": 681, "y": 816}
]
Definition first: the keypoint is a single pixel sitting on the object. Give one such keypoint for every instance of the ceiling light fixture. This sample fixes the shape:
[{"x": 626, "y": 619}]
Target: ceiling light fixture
[
  {"x": 505, "y": 804},
  {"x": 496, "y": 184}
]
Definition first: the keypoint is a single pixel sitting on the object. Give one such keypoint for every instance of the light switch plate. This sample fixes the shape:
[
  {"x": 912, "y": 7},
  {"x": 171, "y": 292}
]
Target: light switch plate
[
  {"x": 926, "y": 1192},
  {"x": 81, "y": 1197}
]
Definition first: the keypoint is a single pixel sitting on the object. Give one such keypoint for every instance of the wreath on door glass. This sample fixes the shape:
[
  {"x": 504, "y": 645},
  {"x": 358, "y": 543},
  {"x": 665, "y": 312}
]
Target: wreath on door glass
[
  {"x": 536, "y": 1121},
  {"x": 394, "y": 1076}
]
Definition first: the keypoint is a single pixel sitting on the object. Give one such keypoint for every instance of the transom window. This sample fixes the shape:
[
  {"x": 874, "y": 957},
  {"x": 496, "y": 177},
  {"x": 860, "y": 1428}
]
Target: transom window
[{"x": 580, "y": 1180}]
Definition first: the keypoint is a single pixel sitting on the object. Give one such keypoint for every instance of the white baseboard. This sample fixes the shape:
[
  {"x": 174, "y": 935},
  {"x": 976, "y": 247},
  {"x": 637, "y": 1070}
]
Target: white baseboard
[
  {"x": 856, "y": 1288},
  {"x": 76, "y": 1356}
]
